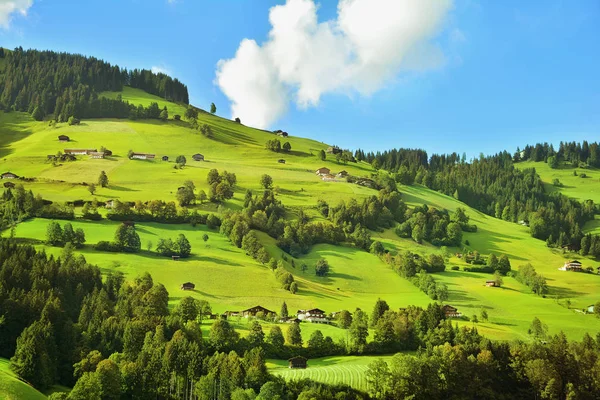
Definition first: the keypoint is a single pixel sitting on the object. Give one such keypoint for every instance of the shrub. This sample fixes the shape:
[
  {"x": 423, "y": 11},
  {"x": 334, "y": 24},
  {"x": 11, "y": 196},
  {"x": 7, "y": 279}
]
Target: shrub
[
  {"x": 104, "y": 245},
  {"x": 73, "y": 121}
]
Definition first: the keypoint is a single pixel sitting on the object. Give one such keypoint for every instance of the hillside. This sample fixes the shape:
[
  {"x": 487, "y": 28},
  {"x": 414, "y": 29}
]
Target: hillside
[
  {"x": 12, "y": 388},
  {"x": 357, "y": 279}
]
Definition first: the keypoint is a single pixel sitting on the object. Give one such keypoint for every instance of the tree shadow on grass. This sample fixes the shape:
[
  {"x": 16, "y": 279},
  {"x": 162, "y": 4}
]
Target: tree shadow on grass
[
  {"x": 563, "y": 292},
  {"x": 122, "y": 188}
]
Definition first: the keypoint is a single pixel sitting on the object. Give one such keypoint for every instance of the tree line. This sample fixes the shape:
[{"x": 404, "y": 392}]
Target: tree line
[
  {"x": 63, "y": 85},
  {"x": 577, "y": 154}
]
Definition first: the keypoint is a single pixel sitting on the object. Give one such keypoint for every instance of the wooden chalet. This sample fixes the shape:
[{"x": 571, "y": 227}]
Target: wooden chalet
[
  {"x": 298, "y": 362},
  {"x": 63, "y": 138},
  {"x": 8, "y": 175},
  {"x": 323, "y": 171},
  {"x": 188, "y": 286},
  {"x": 572, "y": 266},
  {"x": 107, "y": 152},
  {"x": 198, "y": 157},
  {"x": 451, "y": 312},
  {"x": 165, "y": 158},
  {"x": 315, "y": 315},
  {"x": 142, "y": 156},
  {"x": 97, "y": 154},
  {"x": 342, "y": 174},
  {"x": 80, "y": 152},
  {"x": 9, "y": 185},
  {"x": 491, "y": 284},
  {"x": 251, "y": 312},
  {"x": 281, "y": 161}
]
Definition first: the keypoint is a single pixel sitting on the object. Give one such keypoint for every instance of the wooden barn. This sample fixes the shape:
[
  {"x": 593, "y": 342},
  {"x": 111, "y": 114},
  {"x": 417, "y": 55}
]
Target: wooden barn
[
  {"x": 8, "y": 175},
  {"x": 63, "y": 138},
  {"x": 96, "y": 154},
  {"x": 451, "y": 312},
  {"x": 281, "y": 161},
  {"x": 491, "y": 284},
  {"x": 298, "y": 362},
  {"x": 198, "y": 157},
  {"x": 188, "y": 286},
  {"x": 251, "y": 312},
  {"x": 142, "y": 156},
  {"x": 165, "y": 158},
  {"x": 80, "y": 152},
  {"x": 323, "y": 171},
  {"x": 9, "y": 185}
]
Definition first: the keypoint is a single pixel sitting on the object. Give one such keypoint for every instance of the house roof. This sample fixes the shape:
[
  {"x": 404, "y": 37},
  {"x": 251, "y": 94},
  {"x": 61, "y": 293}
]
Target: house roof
[
  {"x": 315, "y": 310},
  {"x": 298, "y": 358},
  {"x": 490, "y": 281},
  {"x": 259, "y": 307},
  {"x": 574, "y": 262},
  {"x": 448, "y": 307},
  {"x": 188, "y": 284},
  {"x": 9, "y": 173}
]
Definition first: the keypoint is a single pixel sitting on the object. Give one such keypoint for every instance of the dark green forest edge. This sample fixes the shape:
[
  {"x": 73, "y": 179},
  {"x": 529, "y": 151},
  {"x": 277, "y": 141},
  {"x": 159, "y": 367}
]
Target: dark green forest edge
[{"x": 62, "y": 322}]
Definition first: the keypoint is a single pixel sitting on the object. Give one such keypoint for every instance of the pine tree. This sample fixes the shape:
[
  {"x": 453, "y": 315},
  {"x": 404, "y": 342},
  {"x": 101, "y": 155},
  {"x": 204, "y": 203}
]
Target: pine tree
[
  {"x": 283, "y": 314},
  {"x": 103, "y": 180}
]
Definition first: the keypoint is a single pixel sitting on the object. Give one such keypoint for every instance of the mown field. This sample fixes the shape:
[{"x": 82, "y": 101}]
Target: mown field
[
  {"x": 229, "y": 279},
  {"x": 12, "y": 388},
  {"x": 349, "y": 370}
]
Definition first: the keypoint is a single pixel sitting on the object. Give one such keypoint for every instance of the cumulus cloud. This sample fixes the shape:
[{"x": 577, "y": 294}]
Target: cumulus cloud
[
  {"x": 160, "y": 70},
  {"x": 9, "y": 7},
  {"x": 367, "y": 45}
]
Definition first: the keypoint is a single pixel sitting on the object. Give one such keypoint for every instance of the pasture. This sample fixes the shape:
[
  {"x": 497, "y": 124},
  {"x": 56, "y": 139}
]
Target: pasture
[
  {"x": 12, "y": 388},
  {"x": 349, "y": 370}
]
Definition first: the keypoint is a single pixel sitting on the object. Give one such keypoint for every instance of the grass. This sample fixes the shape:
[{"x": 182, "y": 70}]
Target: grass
[
  {"x": 349, "y": 370},
  {"x": 229, "y": 279},
  {"x": 12, "y": 388}
]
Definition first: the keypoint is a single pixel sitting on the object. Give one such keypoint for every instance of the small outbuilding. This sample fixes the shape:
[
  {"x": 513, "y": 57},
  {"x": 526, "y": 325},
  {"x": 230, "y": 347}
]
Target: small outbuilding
[
  {"x": 451, "y": 312},
  {"x": 251, "y": 312},
  {"x": 281, "y": 161},
  {"x": 323, "y": 171},
  {"x": 188, "y": 286},
  {"x": 491, "y": 284},
  {"x": 342, "y": 174},
  {"x": 8, "y": 175},
  {"x": 298, "y": 362},
  {"x": 165, "y": 158},
  {"x": 63, "y": 138},
  {"x": 283, "y": 134},
  {"x": 198, "y": 157},
  {"x": 96, "y": 154},
  {"x": 107, "y": 152},
  {"x": 9, "y": 185}
]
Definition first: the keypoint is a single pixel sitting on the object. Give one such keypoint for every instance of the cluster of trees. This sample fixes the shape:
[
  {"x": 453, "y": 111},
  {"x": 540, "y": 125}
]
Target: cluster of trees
[
  {"x": 490, "y": 264},
  {"x": 415, "y": 268},
  {"x": 275, "y": 145},
  {"x": 590, "y": 245},
  {"x": 556, "y": 369},
  {"x": 179, "y": 247},
  {"x": 61, "y": 84},
  {"x": 527, "y": 275},
  {"x": 158, "y": 211},
  {"x": 433, "y": 225},
  {"x": 221, "y": 185},
  {"x": 126, "y": 240},
  {"x": 578, "y": 154},
  {"x": 60, "y": 236}
]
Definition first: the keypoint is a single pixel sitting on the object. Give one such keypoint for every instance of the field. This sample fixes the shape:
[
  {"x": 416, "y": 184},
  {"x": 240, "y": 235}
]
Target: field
[
  {"x": 12, "y": 388},
  {"x": 230, "y": 280},
  {"x": 349, "y": 370}
]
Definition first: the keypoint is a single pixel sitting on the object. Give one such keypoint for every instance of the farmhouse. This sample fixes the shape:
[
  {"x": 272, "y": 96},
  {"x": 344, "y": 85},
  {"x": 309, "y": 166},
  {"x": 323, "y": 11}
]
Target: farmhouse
[
  {"x": 328, "y": 178},
  {"x": 165, "y": 158},
  {"x": 251, "y": 312},
  {"x": 142, "y": 156},
  {"x": 97, "y": 154},
  {"x": 188, "y": 286},
  {"x": 342, "y": 174},
  {"x": 63, "y": 138},
  {"x": 315, "y": 315},
  {"x": 451, "y": 312},
  {"x": 281, "y": 161},
  {"x": 491, "y": 284},
  {"x": 8, "y": 175},
  {"x": 323, "y": 171},
  {"x": 572, "y": 266},
  {"x": 198, "y": 157},
  {"x": 80, "y": 152},
  {"x": 590, "y": 309},
  {"x": 298, "y": 362},
  {"x": 9, "y": 185}
]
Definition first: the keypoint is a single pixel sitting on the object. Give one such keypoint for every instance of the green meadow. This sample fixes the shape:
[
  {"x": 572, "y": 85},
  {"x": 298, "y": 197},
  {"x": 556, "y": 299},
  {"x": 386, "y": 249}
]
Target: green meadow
[
  {"x": 349, "y": 370},
  {"x": 228, "y": 278},
  {"x": 12, "y": 388}
]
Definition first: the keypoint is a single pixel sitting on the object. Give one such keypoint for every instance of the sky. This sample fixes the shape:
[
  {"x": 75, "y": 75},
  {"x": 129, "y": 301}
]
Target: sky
[{"x": 442, "y": 75}]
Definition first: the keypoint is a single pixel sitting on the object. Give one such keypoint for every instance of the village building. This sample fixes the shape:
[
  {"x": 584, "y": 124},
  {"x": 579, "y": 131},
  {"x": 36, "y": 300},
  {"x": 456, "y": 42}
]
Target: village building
[
  {"x": 8, "y": 175},
  {"x": 342, "y": 174},
  {"x": 107, "y": 153},
  {"x": 491, "y": 284},
  {"x": 281, "y": 161},
  {"x": 590, "y": 309},
  {"x": 572, "y": 266},
  {"x": 79, "y": 152},
  {"x": 315, "y": 315},
  {"x": 142, "y": 156},
  {"x": 451, "y": 312},
  {"x": 9, "y": 185},
  {"x": 251, "y": 312},
  {"x": 298, "y": 362},
  {"x": 188, "y": 286},
  {"x": 165, "y": 158},
  {"x": 328, "y": 178},
  {"x": 198, "y": 157},
  {"x": 97, "y": 154},
  {"x": 323, "y": 171}
]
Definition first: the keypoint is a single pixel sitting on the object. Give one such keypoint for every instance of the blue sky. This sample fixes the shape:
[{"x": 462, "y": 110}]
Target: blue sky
[{"x": 507, "y": 73}]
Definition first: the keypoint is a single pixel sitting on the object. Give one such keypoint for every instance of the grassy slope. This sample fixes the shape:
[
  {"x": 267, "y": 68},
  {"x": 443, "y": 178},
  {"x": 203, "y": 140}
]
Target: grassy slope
[
  {"x": 349, "y": 370},
  {"x": 12, "y": 388},
  {"x": 357, "y": 278}
]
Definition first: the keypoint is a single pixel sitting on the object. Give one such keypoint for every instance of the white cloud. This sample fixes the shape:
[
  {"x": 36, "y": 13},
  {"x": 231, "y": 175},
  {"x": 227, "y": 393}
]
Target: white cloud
[
  {"x": 160, "y": 70},
  {"x": 9, "y": 7},
  {"x": 367, "y": 45}
]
